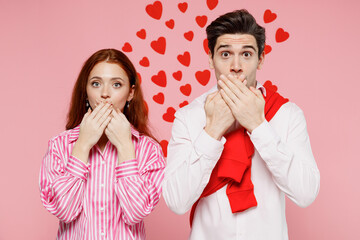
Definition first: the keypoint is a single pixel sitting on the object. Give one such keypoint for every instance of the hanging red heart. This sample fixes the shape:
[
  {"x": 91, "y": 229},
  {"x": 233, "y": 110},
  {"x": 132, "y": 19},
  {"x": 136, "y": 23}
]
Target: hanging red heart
[
  {"x": 127, "y": 47},
  {"x": 169, "y": 115},
  {"x": 203, "y": 77},
  {"x": 183, "y": 6},
  {"x": 267, "y": 49},
  {"x": 206, "y": 47},
  {"x": 154, "y": 10},
  {"x": 141, "y": 34},
  {"x": 189, "y": 35},
  {"x": 186, "y": 89},
  {"x": 184, "y": 59},
  {"x": 201, "y": 20},
  {"x": 177, "y": 75},
  {"x": 159, "y": 98},
  {"x": 269, "y": 16},
  {"x": 144, "y": 62},
  {"x": 212, "y": 4},
  {"x": 281, "y": 35},
  {"x": 159, "y": 45},
  {"x": 184, "y": 103},
  {"x": 159, "y": 79},
  {"x": 164, "y": 144},
  {"x": 170, "y": 24}
]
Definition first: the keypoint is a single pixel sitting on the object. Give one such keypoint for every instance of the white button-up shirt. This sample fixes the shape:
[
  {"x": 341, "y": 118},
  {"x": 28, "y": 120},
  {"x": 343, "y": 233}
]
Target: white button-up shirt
[{"x": 283, "y": 164}]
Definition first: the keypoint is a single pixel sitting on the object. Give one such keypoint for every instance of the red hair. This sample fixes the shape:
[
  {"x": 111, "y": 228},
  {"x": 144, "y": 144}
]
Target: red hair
[{"x": 136, "y": 113}]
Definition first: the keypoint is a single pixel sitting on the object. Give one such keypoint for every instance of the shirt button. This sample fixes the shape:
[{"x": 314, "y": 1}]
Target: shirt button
[
  {"x": 102, "y": 162},
  {"x": 102, "y": 185},
  {"x": 102, "y": 234},
  {"x": 102, "y": 208}
]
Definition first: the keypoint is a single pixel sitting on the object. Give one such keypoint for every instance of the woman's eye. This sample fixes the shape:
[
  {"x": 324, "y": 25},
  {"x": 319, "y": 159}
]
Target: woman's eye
[
  {"x": 117, "y": 85},
  {"x": 95, "y": 84},
  {"x": 225, "y": 54}
]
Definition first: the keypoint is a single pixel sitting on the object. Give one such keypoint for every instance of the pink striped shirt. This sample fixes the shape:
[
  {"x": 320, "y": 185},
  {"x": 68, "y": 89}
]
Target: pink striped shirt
[{"x": 101, "y": 199}]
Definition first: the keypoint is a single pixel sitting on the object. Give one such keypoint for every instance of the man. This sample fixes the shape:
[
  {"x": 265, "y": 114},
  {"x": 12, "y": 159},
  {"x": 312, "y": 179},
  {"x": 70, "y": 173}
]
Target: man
[{"x": 238, "y": 149}]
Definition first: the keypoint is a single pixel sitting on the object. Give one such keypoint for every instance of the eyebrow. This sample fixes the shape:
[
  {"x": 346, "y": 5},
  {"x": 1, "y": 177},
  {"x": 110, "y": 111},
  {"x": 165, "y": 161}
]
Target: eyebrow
[
  {"x": 226, "y": 46},
  {"x": 115, "y": 78}
]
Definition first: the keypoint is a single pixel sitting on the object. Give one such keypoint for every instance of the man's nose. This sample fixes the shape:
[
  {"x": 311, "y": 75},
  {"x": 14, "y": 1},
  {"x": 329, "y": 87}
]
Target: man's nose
[{"x": 236, "y": 65}]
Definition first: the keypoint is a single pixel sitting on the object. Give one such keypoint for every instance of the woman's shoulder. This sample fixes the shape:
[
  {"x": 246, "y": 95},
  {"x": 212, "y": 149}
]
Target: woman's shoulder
[{"x": 71, "y": 134}]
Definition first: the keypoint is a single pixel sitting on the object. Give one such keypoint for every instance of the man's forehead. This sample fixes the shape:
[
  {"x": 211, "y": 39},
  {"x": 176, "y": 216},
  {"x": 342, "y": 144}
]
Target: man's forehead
[{"x": 242, "y": 39}]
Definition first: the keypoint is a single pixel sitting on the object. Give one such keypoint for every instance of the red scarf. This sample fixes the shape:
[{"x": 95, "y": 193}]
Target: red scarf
[{"x": 234, "y": 166}]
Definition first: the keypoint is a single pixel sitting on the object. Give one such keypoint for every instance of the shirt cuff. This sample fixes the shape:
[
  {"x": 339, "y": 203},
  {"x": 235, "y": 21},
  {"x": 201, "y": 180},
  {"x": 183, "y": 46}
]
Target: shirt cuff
[
  {"x": 77, "y": 168},
  {"x": 263, "y": 136},
  {"x": 206, "y": 145},
  {"x": 127, "y": 168}
]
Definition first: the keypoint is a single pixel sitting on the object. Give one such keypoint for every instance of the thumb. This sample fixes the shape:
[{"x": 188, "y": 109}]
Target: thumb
[{"x": 210, "y": 97}]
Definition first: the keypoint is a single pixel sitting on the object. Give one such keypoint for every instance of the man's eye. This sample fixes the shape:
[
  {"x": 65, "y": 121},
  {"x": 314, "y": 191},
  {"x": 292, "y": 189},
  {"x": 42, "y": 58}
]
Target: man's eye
[
  {"x": 225, "y": 54},
  {"x": 95, "y": 84},
  {"x": 247, "y": 54},
  {"x": 117, "y": 85}
]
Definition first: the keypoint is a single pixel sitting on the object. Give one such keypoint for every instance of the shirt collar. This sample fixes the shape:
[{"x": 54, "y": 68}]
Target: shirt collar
[
  {"x": 261, "y": 87},
  {"x": 74, "y": 133}
]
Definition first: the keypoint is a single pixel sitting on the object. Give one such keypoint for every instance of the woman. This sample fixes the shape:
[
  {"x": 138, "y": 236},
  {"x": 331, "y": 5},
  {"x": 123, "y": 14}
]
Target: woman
[{"x": 102, "y": 176}]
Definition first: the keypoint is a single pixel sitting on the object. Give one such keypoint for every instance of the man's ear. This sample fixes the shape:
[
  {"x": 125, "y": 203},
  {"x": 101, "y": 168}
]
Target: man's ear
[
  {"x": 261, "y": 60},
  {"x": 211, "y": 61}
]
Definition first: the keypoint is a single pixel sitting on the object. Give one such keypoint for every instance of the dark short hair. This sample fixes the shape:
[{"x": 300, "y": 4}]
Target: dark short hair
[{"x": 239, "y": 21}]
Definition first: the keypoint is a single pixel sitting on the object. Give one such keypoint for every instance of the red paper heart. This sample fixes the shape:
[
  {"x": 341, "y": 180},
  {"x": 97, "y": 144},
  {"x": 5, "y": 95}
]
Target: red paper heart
[
  {"x": 127, "y": 47},
  {"x": 201, "y": 20},
  {"x": 184, "y": 103},
  {"x": 139, "y": 77},
  {"x": 183, "y": 6},
  {"x": 212, "y": 4},
  {"x": 159, "y": 98},
  {"x": 281, "y": 35},
  {"x": 164, "y": 144},
  {"x": 184, "y": 59},
  {"x": 177, "y": 75},
  {"x": 169, "y": 115},
  {"x": 144, "y": 62},
  {"x": 203, "y": 77},
  {"x": 206, "y": 47},
  {"x": 267, "y": 49},
  {"x": 159, "y": 45},
  {"x": 170, "y": 24},
  {"x": 159, "y": 79},
  {"x": 186, "y": 89},
  {"x": 141, "y": 34},
  {"x": 269, "y": 16},
  {"x": 154, "y": 10},
  {"x": 189, "y": 35}
]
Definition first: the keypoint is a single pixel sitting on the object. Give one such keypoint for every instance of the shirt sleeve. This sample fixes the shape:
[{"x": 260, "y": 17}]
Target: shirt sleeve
[
  {"x": 190, "y": 162},
  {"x": 290, "y": 160},
  {"x": 139, "y": 190},
  {"x": 62, "y": 186}
]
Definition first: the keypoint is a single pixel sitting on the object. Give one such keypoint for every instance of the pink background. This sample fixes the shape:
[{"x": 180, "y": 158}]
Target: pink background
[{"x": 44, "y": 44}]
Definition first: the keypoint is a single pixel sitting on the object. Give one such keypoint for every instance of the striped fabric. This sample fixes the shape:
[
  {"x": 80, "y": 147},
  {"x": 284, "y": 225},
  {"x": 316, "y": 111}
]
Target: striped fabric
[{"x": 101, "y": 199}]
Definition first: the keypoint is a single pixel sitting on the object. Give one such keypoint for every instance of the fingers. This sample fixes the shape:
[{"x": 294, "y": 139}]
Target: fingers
[
  {"x": 227, "y": 99},
  {"x": 104, "y": 109},
  {"x": 257, "y": 92},
  {"x": 105, "y": 122},
  {"x": 210, "y": 97}
]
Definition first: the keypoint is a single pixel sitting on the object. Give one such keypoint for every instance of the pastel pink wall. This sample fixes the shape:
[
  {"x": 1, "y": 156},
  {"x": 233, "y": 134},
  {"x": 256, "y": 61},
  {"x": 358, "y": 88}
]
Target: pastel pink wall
[{"x": 43, "y": 46}]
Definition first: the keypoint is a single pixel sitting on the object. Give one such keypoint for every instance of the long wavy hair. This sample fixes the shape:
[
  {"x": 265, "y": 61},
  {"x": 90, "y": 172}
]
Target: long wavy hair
[{"x": 136, "y": 112}]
